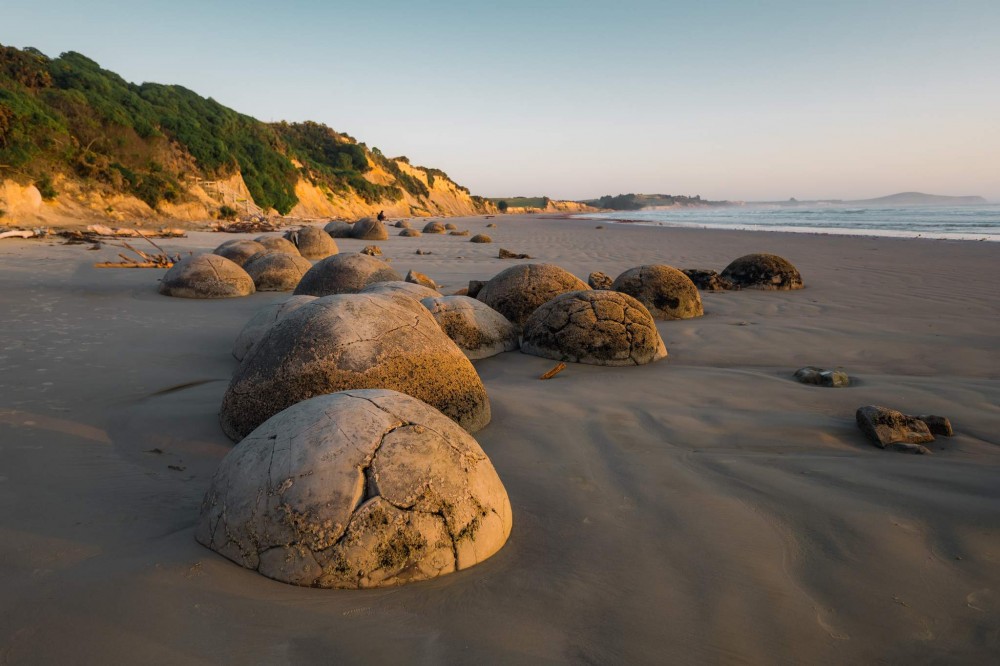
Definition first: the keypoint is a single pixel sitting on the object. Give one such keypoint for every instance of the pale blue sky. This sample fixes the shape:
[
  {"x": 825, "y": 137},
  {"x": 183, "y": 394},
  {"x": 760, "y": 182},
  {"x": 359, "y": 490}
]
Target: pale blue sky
[{"x": 738, "y": 100}]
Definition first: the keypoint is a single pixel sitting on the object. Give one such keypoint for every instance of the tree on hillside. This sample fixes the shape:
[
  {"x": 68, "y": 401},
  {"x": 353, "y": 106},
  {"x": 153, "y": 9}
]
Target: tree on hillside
[{"x": 502, "y": 206}]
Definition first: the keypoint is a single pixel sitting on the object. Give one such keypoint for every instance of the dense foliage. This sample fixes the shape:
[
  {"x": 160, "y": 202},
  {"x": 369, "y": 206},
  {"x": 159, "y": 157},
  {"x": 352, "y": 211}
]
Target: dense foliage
[{"x": 638, "y": 201}]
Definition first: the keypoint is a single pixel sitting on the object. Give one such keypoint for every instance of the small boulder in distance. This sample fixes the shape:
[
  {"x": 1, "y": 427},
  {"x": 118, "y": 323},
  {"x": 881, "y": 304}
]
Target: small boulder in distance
[
  {"x": 403, "y": 224},
  {"x": 507, "y": 254},
  {"x": 480, "y": 238},
  {"x": 763, "y": 271},
  {"x": 434, "y": 228},
  {"x": 409, "y": 233},
  {"x": 372, "y": 251},
  {"x": 368, "y": 228},
  {"x": 820, "y": 377},
  {"x": 709, "y": 280},
  {"x": 599, "y": 280},
  {"x": 450, "y": 226},
  {"x": 421, "y": 279},
  {"x": 338, "y": 229},
  {"x": 459, "y": 233},
  {"x": 313, "y": 243}
]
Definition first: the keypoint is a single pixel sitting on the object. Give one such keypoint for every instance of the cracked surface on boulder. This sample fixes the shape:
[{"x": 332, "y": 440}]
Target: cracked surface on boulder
[
  {"x": 206, "y": 276},
  {"x": 345, "y": 274},
  {"x": 264, "y": 319},
  {"x": 367, "y": 488},
  {"x": 596, "y": 327},
  {"x": 239, "y": 251},
  {"x": 278, "y": 244},
  {"x": 477, "y": 329},
  {"x": 665, "y": 291},
  {"x": 277, "y": 271},
  {"x": 353, "y": 341},
  {"x": 763, "y": 271},
  {"x": 519, "y": 290},
  {"x": 312, "y": 243}
]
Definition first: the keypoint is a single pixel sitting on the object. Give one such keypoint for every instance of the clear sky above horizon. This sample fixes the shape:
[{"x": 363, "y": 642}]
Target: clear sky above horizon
[{"x": 729, "y": 100}]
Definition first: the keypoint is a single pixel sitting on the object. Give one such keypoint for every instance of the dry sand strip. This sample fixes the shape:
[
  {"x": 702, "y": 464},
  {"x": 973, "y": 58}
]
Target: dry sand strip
[{"x": 703, "y": 509}]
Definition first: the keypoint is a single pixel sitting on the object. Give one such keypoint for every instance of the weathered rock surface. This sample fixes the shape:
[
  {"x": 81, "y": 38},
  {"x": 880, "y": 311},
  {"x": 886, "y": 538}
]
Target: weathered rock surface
[
  {"x": 890, "y": 429},
  {"x": 404, "y": 288},
  {"x": 372, "y": 250},
  {"x": 278, "y": 244},
  {"x": 403, "y": 224},
  {"x": 507, "y": 254},
  {"x": 421, "y": 279},
  {"x": 821, "y": 377},
  {"x": 519, "y": 290},
  {"x": 264, "y": 319},
  {"x": 206, "y": 276},
  {"x": 434, "y": 228},
  {"x": 477, "y": 329},
  {"x": 599, "y": 280},
  {"x": 475, "y": 286},
  {"x": 464, "y": 232},
  {"x": 763, "y": 271},
  {"x": 665, "y": 291},
  {"x": 239, "y": 251},
  {"x": 365, "y": 488},
  {"x": 312, "y": 243},
  {"x": 277, "y": 271},
  {"x": 708, "y": 280},
  {"x": 409, "y": 233},
  {"x": 352, "y": 341},
  {"x": 595, "y": 327},
  {"x": 345, "y": 274},
  {"x": 480, "y": 238},
  {"x": 450, "y": 226},
  {"x": 368, "y": 228},
  {"x": 938, "y": 425},
  {"x": 339, "y": 229}
]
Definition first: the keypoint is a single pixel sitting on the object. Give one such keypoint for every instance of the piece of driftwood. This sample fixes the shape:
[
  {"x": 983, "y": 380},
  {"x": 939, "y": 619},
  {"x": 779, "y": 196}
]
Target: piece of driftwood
[
  {"x": 554, "y": 371},
  {"x": 145, "y": 260},
  {"x": 18, "y": 233}
]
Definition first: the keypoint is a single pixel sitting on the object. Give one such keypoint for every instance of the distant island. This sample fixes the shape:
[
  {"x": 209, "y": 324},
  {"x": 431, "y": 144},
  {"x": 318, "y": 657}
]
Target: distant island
[{"x": 900, "y": 199}]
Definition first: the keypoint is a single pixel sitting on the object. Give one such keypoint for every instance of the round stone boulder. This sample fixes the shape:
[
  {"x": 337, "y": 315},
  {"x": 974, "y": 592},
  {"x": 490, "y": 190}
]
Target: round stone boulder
[
  {"x": 357, "y": 489},
  {"x": 264, "y": 319},
  {"x": 344, "y": 274},
  {"x": 401, "y": 288},
  {"x": 206, "y": 276},
  {"x": 339, "y": 229},
  {"x": 450, "y": 226},
  {"x": 763, "y": 271},
  {"x": 277, "y": 271},
  {"x": 596, "y": 327},
  {"x": 239, "y": 251},
  {"x": 312, "y": 243},
  {"x": 403, "y": 224},
  {"x": 520, "y": 290},
  {"x": 477, "y": 329},
  {"x": 409, "y": 233},
  {"x": 664, "y": 290},
  {"x": 480, "y": 238},
  {"x": 368, "y": 228},
  {"x": 278, "y": 244},
  {"x": 434, "y": 228},
  {"x": 353, "y": 341}
]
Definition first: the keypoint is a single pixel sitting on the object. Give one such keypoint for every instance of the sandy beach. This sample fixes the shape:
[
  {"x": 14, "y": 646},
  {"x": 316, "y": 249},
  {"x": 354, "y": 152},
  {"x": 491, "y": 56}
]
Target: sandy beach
[{"x": 702, "y": 509}]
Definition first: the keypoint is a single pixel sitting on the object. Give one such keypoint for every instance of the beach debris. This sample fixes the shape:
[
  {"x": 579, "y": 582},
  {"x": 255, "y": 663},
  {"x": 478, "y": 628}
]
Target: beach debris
[
  {"x": 206, "y": 276},
  {"x": 239, "y": 251},
  {"x": 372, "y": 251},
  {"x": 277, "y": 271},
  {"x": 664, "y": 290},
  {"x": 459, "y": 233},
  {"x": 344, "y": 274},
  {"x": 477, "y": 329},
  {"x": 353, "y": 341},
  {"x": 593, "y": 327},
  {"x": 419, "y": 278},
  {"x": 422, "y": 251},
  {"x": 264, "y": 319},
  {"x": 19, "y": 233},
  {"x": 357, "y": 489},
  {"x": 434, "y": 228},
  {"x": 368, "y": 228},
  {"x": 252, "y": 225},
  {"x": 938, "y": 425},
  {"x": 507, "y": 254},
  {"x": 820, "y": 377},
  {"x": 480, "y": 238},
  {"x": 409, "y": 233},
  {"x": 763, "y": 271},
  {"x": 890, "y": 429},
  {"x": 599, "y": 280},
  {"x": 339, "y": 229},
  {"x": 142, "y": 259},
  {"x": 401, "y": 288},
  {"x": 278, "y": 244},
  {"x": 475, "y": 286},
  {"x": 556, "y": 369},
  {"x": 519, "y": 290},
  {"x": 709, "y": 280},
  {"x": 312, "y": 243}
]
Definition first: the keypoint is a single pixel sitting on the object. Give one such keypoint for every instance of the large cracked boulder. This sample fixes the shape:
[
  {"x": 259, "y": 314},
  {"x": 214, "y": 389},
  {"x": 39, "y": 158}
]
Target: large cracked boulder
[
  {"x": 277, "y": 271},
  {"x": 278, "y": 244},
  {"x": 312, "y": 243},
  {"x": 206, "y": 276},
  {"x": 358, "y": 489},
  {"x": 239, "y": 251},
  {"x": 889, "y": 429},
  {"x": 263, "y": 320},
  {"x": 401, "y": 288},
  {"x": 665, "y": 291},
  {"x": 763, "y": 271},
  {"x": 519, "y": 290},
  {"x": 596, "y": 327},
  {"x": 345, "y": 274},
  {"x": 353, "y": 341},
  {"x": 477, "y": 329},
  {"x": 339, "y": 229},
  {"x": 368, "y": 228}
]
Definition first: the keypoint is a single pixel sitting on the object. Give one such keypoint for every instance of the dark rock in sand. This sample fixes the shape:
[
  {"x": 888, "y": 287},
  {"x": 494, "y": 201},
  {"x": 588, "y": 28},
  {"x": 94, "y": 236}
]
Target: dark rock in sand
[
  {"x": 206, "y": 276},
  {"x": 421, "y": 279},
  {"x": 890, "y": 429},
  {"x": 344, "y": 274},
  {"x": 708, "y": 280},
  {"x": 664, "y": 290},
  {"x": 821, "y": 377},
  {"x": 520, "y": 290},
  {"x": 368, "y": 228},
  {"x": 480, "y": 238},
  {"x": 313, "y": 243},
  {"x": 277, "y": 271},
  {"x": 598, "y": 280},
  {"x": 507, "y": 254},
  {"x": 239, "y": 251},
  {"x": 419, "y": 251},
  {"x": 938, "y": 425},
  {"x": 763, "y": 271}
]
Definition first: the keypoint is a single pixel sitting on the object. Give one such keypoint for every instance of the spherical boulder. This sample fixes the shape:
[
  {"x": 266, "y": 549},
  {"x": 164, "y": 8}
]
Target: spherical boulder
[
  {"x": 409, "y": 233},
  {"x": 353, "y": 341},
  {"x": 763, "y": 271},
  {"x": 264, "y": 319},
  {"x": 402, "y": 224},
  {"x": 664, "y": 290},
  {"x": 344, "y": 274},
  {"x": 520, "y": 290},
  {"x": 357, "y": 489},
  {"x": 312, "y": 243},
  {"x": 480, "y": 238},
  {"x": 450, "y": 226},
  {"x": 477, "y": 329},
  {"x": 339, "y": 229},
  {"x": 434, "y": 228},
  {"x": 368, "y": 228},
  {"x": 278, "y": 244},
  {"x": 596, "y": 327},
  {"x": 238, "y": 251},
  {"x": 277, "y": 271},
  {"x": 397, "y": 288},
  {"x": 206, "y": 276}
]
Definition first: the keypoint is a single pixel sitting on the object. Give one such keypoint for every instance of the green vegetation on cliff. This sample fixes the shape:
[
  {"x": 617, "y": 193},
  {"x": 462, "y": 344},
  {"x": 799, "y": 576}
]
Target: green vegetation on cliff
[
  {"x": 639, "y": 201},
  {"x": 68, "y": 115}
]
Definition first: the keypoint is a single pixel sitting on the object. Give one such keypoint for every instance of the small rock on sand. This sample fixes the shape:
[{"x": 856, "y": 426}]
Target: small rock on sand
[
  {"x": 820, "y": 377},
  {"x": 891, "y": 429}
]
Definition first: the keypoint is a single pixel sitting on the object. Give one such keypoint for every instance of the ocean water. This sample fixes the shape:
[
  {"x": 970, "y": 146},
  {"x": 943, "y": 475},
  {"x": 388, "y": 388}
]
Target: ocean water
[{"x": 981, "y": 222}]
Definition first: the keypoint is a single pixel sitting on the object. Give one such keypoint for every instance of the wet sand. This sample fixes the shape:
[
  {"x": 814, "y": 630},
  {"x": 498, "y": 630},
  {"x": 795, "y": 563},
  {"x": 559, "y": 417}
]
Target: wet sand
[{"x": 703, "y": 509}]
